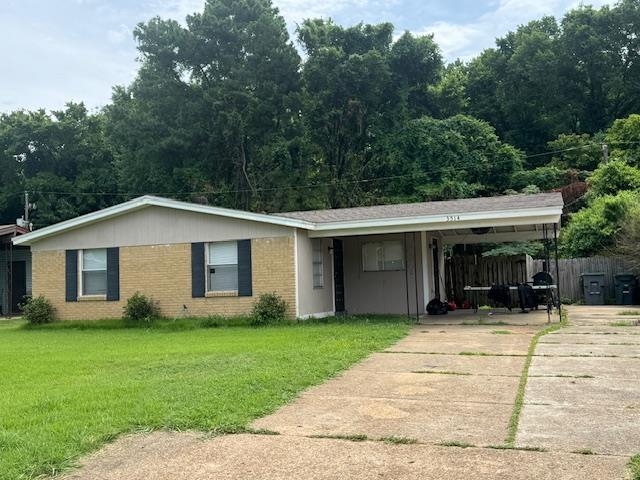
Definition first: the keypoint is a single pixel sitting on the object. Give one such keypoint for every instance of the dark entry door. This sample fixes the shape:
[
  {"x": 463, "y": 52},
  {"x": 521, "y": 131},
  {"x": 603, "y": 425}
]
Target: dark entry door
[
  {"x": 338, "y": 275},
  {"x": 18, "y": 284}
]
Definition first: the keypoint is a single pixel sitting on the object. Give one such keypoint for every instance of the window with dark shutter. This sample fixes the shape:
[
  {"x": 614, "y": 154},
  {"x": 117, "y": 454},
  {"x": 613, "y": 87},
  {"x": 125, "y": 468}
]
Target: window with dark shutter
[
  {"x": 198, "y": 284},
  {"x": 71, "y": 275},
  {"x": 113, "y": 274},
  {"x": 245, "y": 281}
]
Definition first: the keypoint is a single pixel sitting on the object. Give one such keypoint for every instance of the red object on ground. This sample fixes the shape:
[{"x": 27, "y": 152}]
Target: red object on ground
[
  {"x": 466, "y": 305},
  {"x": 451, "y": 305}
]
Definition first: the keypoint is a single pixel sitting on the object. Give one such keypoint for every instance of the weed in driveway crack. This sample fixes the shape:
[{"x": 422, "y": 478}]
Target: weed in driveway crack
[
  {"x": 634, "y": 467},
  {"x": 519, "y": 402}
]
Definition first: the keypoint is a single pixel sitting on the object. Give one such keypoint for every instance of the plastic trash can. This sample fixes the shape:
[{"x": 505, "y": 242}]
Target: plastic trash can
[
  {"x": 594, "y": 288},
  {"x": 626, "y": 288}
]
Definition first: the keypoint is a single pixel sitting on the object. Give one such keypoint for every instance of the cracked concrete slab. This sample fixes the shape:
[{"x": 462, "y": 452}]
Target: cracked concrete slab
[
  {"x": 620, "y": 367},
  {"x": 472, "y": 364},
  {"x": 573, "y": 350},
  {"x": 592, "y": 339},
  {"x": 592, "y": 392},
  {"x": 432, "y": 387},
  {"x": 478, "y": 423},
  {"x": 189, "y": 456},
  {"x": 604, "y": 430}
]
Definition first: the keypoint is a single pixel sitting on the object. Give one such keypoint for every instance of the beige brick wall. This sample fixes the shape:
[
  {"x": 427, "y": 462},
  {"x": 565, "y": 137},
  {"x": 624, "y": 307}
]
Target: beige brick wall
[{"x": 164, "y": 273}]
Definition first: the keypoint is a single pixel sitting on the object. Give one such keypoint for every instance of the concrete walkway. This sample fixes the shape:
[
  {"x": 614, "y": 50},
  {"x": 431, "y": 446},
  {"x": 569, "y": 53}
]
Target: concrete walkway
[{"x": 442, "y": 387}]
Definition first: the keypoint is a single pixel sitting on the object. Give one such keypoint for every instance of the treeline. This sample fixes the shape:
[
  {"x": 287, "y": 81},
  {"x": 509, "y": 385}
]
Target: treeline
[{"x": 225, "y": 110}]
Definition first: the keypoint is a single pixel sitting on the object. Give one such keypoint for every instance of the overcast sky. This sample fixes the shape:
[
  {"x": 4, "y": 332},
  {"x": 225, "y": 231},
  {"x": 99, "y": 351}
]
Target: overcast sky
[{"x": 55, "y": 51}]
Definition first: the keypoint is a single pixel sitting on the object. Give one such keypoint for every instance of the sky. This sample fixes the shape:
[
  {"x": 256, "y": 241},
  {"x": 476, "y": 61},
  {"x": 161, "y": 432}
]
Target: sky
[{"x": 55, "y": 51}]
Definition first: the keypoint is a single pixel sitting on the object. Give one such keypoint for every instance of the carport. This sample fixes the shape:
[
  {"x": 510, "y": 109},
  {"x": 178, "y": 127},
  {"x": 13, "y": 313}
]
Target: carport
[{"x": 388, "y": 259}]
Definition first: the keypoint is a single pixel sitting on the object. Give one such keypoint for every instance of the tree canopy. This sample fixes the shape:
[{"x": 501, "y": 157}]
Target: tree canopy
[{"x": 227, "y": 109}]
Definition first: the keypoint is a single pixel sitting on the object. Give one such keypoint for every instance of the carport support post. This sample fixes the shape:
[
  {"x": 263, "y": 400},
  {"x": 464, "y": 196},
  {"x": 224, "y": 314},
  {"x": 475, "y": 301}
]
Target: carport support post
[{"x": 555, "y": 241}]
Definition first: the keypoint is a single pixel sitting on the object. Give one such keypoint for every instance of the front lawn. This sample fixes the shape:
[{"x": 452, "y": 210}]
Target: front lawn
[{"x": 65, "y": 392}]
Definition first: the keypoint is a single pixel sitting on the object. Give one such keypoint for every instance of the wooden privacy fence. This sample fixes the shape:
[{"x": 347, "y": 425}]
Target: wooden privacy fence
[
  {"x": 474, "y": 270},
  {"x": 572, "y": 268}
]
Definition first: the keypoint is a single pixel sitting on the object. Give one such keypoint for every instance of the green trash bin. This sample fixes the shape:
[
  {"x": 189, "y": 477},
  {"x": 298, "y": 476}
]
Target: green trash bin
[
  {"x": 594, "y": 288},
  {"x": 626, "y": 288}
]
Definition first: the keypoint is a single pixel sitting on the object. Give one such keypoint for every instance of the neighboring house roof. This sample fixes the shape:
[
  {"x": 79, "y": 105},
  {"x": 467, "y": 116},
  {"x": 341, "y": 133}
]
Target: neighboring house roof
[
  {"x": 12, "y": 230},
  {"x": 448, "y": 207},
  {"x": 454, "y": 214}
]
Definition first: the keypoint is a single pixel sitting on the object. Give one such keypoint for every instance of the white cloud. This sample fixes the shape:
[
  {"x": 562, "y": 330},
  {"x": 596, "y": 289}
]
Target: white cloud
[{"x": 466, "y": 39}]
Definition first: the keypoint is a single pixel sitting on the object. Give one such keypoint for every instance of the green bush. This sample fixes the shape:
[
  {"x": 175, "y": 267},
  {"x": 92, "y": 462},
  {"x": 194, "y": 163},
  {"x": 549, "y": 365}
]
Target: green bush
[
  {"x": 269, "y": 309},
  {"x": 38, "y": 310},
  {"x": 140, "y": 310}
]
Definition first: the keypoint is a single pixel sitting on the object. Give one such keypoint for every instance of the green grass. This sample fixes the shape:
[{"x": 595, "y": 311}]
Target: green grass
[
  {"x": 66, "y": 391},
  {"x": 634, "y": 313},
  {"x": 501, "y": 332},
  {"x": 634, "y": 467}
]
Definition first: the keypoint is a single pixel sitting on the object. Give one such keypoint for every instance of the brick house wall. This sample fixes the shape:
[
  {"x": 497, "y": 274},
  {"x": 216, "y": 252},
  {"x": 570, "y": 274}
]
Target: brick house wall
[{"x": 163, "y": 272}]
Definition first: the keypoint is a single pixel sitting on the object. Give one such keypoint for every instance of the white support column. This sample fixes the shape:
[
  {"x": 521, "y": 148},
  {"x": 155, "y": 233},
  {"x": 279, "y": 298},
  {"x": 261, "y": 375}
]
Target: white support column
[
  {"x": 426, "y": 283},
  {"x": 295, "y": 270},
  {"x": 441, "y": 266}
]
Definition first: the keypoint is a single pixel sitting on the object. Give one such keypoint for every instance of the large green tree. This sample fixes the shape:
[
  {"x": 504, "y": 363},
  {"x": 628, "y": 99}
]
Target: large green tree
[
  {"x": 212, "y": 104},
  {"x": 458, "y": 157},
  {"x": 62, "y": 159}
]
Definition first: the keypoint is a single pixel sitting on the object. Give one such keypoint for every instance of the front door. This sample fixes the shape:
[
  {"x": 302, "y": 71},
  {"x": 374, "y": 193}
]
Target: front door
[
  {"x": 338, "y": 276},
  {"x": 18, "y": 284}
]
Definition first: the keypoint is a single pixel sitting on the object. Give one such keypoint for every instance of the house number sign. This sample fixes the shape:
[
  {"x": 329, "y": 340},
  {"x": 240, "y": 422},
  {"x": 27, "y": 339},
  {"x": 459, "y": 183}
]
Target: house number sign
[{"x": 453, "y": 218}]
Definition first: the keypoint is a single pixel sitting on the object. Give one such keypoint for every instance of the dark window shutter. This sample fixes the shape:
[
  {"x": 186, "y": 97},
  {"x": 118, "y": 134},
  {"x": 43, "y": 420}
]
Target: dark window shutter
[
  {"x": 113, "y": 274},
  {"x": 244, "y": 269},
  {"x": 197, "y": 270},
  {"x": 71, "y": 276}
]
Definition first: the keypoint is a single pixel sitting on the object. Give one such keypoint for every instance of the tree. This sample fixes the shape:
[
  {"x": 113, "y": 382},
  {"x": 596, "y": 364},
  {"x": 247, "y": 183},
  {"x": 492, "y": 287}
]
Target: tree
[
  {"x": 545, "y": 178},
  {"x": 628, "y": 240},
  {"x": 576, "y": 151},
  {"x": 613, "y": 177},
  {"x": 517, "y": 88},
  {"x": 61, "y": 158},
  {"x": 347, "y": 100},
  {"x": 209, "y": 102},
  {"x": 416, "y": 65},
  {"x": 456, "y": 157},
  {"x": 594, "y": 228},
  {"x": 624, "y": 138}
]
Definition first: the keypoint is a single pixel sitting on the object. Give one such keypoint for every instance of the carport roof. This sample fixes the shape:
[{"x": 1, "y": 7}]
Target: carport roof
[{"x": 505, "y": 203}]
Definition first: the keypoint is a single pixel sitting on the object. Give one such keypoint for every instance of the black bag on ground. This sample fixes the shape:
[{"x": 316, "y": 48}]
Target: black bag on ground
[
  {"x": 436, "y": 307},
  {"x": 500, "y": 294}
]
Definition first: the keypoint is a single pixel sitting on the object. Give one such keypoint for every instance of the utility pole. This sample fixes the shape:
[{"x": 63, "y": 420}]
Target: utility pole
[
  {"x": 26, "y": 207},
  {"x": 605, "y": 153}
]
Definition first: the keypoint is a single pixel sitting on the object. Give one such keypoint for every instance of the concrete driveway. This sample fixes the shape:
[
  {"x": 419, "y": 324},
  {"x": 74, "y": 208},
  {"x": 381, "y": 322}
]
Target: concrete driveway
[
  {"x": 408, "y": 412},
  {"x": 583, "y": 392}
]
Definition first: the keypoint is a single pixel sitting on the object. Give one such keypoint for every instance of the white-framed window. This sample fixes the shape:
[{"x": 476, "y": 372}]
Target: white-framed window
[
  {"x": 222, "y": 267},
  {"x": 382, "y": 256},
  {"x": 318, "y": 263},
  {"x": 93, "y": 271}
]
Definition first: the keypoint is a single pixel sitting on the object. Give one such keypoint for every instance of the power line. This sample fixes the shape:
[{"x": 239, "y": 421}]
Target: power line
[{"x": 421, "y": 173}]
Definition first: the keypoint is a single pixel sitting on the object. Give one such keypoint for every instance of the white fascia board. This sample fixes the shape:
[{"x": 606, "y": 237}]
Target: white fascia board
[
  {"x": 440, "y": 222},
  {"x": 472, "y": 238},
  {"x": 149, "y": 201}
]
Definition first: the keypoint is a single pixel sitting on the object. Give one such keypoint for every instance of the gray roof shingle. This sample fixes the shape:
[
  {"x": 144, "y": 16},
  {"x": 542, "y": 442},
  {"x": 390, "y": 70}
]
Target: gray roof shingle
[{"x": 448, "y": 207}]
